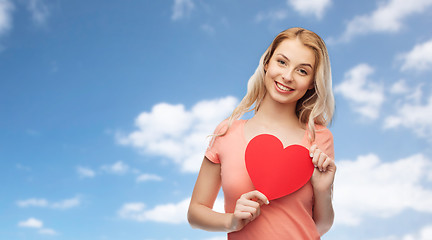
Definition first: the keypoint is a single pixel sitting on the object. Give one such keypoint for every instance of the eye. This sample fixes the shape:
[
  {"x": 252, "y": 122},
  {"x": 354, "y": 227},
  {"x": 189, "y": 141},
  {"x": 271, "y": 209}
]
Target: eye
[
  {"x": 302, "y": 71},
  {"x": 282, "y": 62}
]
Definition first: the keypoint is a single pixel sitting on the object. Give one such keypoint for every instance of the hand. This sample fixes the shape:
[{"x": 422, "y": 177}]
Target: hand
[
  {"x": 324, "y": 172},
  {"x": 247, "y": 209}
]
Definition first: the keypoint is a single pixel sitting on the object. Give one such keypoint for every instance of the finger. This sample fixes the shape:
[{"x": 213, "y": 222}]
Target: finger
[
  {"x": 312, "y": 150},
  {"x": 321, "y": 160},
  {"x": 261, "y": 198},
  {"x": 242, "y": 215},
  {"x": 248, "y": 203},
  {"x": 328, "y": 164},
  {"x": 254, "y": 212},
  {"x": 246, "y": 209},
  {"x": 247, "y": 212},
  {"x": 316, "y": 156}
]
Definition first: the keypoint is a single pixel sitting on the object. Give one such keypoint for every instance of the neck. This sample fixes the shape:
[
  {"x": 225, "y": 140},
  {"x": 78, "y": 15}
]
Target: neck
[{"x": 277, "y": 114}]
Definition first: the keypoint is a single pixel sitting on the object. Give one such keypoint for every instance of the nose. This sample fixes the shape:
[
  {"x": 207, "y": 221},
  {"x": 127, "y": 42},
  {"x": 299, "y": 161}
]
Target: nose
[{"x": 288, "y": 75}]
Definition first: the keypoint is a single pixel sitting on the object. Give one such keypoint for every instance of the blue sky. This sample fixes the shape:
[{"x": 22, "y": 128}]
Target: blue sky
[{"x": 105, "y": 107}]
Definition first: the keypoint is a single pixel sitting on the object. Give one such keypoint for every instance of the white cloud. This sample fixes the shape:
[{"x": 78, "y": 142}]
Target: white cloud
[
  {"x": 405, "y": 93},
  {"x": 173, "y": 213},
  {"x": 31, "y": 223},
  {"x": 219, "y": 205},
  {"x": 84, "y": 172},
  {"x": 47, "y": 231},
  {"x": 23, "y": 167},
  {"x": 178, "y": 134},
  {"x": 33, "y": 202},
  {"x": 67, "y": 203},
  {"x": 148, "y": 177},
  {"x": 424, "y": 233},
  {"x": 305, "y": 8},
  {"x": 38, "y": 224},
  {"x": 399, "y": 87},
  {"x": 310, "y": 7},
  {"x": 419, "y": 58},
  {"x": 388, "y": 17},
  {"x": 369, "y": 187},
  {"x": 366, "y": 96},
  {"x": 167, "y": 213},
  {"x": 39, "y": 11},
  {"x": 118, "y": 168},
  {"x": 40, "y": 202},
  {"x": 217, "y": 238},
  {"x": 182, "y": 8},
  {"x": 415, "y": 116},
  {"x": 273, "y": 15},
  {"x": 6, "y": 8},
  {"x": 208, "y": 29}
]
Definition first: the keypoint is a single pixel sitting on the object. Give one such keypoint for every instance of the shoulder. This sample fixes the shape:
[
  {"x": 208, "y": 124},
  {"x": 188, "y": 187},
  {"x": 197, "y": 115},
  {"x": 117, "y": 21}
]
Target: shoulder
[
  {"x": 225, "y": 126},
  {"x": 324, "y": 140},
  {"x": 322, "y": 132},
  {"x": 225, "y": 133}
]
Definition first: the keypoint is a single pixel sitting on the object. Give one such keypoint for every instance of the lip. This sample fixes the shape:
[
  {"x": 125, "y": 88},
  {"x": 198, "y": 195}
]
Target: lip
[{"x": 282, "y": 90}]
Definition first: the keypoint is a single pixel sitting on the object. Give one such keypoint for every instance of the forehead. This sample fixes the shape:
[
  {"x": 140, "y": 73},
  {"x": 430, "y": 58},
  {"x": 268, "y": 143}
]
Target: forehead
[{"x": 296, "y": 51}]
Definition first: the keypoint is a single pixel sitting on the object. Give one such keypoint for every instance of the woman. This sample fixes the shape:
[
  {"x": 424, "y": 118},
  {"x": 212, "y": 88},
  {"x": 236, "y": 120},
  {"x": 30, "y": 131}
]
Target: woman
[{"x": 291, "y": 94}]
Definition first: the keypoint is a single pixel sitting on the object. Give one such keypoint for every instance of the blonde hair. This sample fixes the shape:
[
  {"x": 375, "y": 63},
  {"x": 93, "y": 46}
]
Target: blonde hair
[{"x": 316, "y": 106}]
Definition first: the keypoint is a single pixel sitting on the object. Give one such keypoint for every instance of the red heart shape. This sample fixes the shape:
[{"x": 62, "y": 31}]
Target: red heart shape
[{"x": 275, "y": 171}]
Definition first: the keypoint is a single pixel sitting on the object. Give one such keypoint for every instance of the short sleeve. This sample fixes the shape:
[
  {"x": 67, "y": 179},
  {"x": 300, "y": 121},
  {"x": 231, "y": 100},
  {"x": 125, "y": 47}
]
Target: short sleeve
[
  {"x": 212, "y": 152},
  {"x": 324, "y": 141},
  {"x": 212, "y": 155}
]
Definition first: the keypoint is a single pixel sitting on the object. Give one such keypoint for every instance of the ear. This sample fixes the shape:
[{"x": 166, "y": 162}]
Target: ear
[{"x": 265, "y": 67}]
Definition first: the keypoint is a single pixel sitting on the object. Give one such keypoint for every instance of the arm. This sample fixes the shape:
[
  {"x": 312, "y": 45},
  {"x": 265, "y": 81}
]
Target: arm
[
  {"x": 207, "y": 186},
  {"x": 322, "y": 182}
]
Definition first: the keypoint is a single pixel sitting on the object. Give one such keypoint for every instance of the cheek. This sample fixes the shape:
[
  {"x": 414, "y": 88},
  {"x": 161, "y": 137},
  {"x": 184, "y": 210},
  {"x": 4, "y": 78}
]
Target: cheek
[
  {"x": 311, "y": 84},
  {"x": 268, "y": 81},
  {"x": 307, "y": 84},
  {"x": 272, "y": 72}
]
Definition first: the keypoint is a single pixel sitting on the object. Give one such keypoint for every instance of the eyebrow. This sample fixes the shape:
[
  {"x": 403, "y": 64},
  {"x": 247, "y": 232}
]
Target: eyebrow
[{"x": 302, "y": 64}]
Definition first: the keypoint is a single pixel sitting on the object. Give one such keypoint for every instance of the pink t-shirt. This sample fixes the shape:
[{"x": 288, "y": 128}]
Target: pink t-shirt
[{"x": 289, "y": 217}]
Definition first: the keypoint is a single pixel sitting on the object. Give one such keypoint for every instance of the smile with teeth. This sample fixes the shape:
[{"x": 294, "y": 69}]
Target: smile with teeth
[{"x": 283, "y": 88}]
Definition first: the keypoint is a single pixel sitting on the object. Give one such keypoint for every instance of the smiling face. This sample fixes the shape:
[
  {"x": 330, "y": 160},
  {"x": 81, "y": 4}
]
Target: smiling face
[{"x": 290, "y": 71}]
